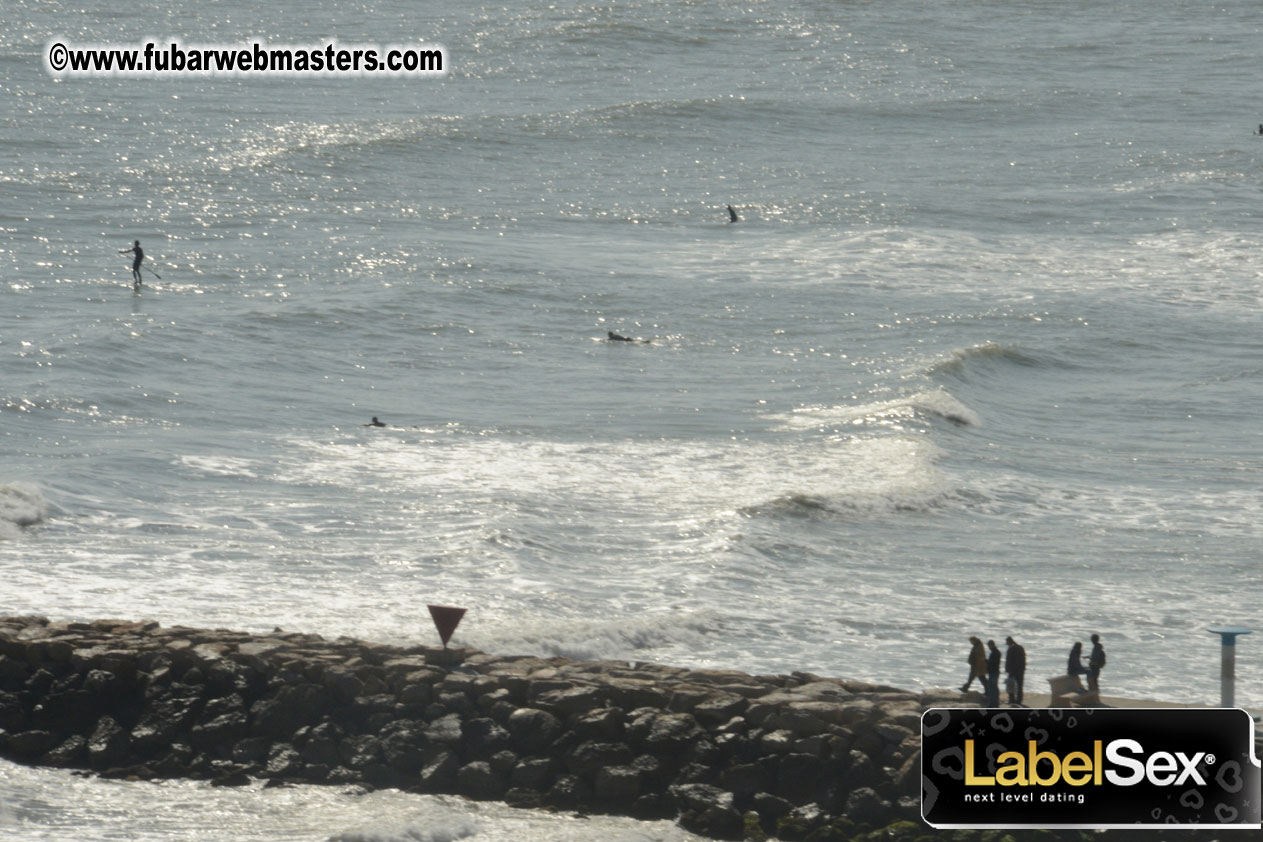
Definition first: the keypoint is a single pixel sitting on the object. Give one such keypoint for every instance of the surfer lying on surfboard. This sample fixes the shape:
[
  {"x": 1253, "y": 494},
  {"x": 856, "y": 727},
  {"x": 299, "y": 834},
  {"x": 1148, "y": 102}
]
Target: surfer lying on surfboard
[{"x": 614, "y": 337}]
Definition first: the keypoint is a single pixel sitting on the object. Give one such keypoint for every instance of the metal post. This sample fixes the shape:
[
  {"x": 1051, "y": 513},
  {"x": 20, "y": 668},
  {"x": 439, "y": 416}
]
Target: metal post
[{"x": 1228, "y": 667}]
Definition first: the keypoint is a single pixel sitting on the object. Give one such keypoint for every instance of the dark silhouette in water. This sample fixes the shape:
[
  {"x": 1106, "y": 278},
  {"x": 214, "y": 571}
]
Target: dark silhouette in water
[
  {"x": 374, "y": 423},
  {"x": 140, "y": 257},
  {"x": 614, "y": 337},
  {"x": 732, "y": 214}
]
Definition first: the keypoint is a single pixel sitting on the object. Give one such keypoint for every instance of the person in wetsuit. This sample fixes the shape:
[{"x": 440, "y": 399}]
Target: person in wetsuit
[{"x": 140, "y": 256}]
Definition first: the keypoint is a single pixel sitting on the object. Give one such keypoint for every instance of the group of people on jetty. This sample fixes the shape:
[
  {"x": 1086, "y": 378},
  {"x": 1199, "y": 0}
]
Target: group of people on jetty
[{"x": 984, "y": 665}]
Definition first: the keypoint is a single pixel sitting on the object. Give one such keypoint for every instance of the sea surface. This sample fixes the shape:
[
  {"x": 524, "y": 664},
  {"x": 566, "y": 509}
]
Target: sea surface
[{"x": 981, "y": 357}]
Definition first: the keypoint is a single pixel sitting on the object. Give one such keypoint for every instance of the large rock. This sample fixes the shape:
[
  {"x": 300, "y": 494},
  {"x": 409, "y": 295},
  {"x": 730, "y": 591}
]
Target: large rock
[
  {"x": 533, "y": 730},
  {"x": 708, "y": 811},
  {"x": 580, "y": 699},
  {"x": 31, "y": 745},
  {"x": 293, "y": 706},
  {"x": 804, "y": 778},
  {"x": 590, "y": 757},
  {"x": 163, "y": 718},
  {"x": 616, "y": 787},
  {"x": 663, "y": 734},
  {"x": 13, "y": 715},
  {"x": 865, "y": 806},
  {"x": 718, "y": 708},
  {"x": 71, "y": 753},
  {"x": 221, "y": 733},
  {"x": 403, "y": 746},
  {"x": 483, "y": 737},
  {"x": 67, "y": 711},
  {"x": 439, "y": 775},
  {"x": 284, "y": 761},
  {"x": 108, "y": 744},
  {"x": 533, "y": 773},
  {"x": 360, "y": 751},
  {"x": 480, "y": 781}
]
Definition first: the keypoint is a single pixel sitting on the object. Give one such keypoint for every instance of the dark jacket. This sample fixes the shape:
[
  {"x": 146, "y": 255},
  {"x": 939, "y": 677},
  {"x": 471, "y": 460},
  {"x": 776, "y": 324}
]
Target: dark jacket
[
  {"x": 1074, "y": 665},
  {"x": 977, "y": 659},
  {"x": 1015, "y": 659}
]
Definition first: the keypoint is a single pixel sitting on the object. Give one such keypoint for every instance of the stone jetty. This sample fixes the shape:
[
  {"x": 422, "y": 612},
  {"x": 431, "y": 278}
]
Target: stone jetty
[{"x": 726, "y": 754}]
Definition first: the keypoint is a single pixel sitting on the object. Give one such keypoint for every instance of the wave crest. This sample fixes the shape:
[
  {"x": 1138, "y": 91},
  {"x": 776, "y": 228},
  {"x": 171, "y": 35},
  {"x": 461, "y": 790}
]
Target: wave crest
[
  {"x": 605, "y": 639},
  {"x": 959, "y": 361},
  {"x": 20, "y": 506},
  {"x": 935, "y": 403},
  {"x": 880, "y": 476}
]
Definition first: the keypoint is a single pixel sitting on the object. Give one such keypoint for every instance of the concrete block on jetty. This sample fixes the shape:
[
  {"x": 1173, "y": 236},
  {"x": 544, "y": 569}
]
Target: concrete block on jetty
[{"x": 726, "y": 754}]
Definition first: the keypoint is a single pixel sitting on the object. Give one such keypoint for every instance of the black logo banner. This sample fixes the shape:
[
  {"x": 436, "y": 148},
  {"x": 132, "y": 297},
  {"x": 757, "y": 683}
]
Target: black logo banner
[{"x": 1089, "y": 768}]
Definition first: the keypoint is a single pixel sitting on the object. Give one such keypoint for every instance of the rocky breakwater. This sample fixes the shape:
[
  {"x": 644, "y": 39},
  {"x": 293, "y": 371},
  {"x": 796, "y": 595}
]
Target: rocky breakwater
[{"x": 727, "y": 754}]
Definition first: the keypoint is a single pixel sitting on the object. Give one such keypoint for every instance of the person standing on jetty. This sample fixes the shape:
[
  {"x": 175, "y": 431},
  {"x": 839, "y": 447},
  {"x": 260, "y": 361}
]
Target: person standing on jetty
[
  {"x": 992, "y": 697},
  {"x": 977, "y": 665},
  {"x": 1074, "y": 665},
  {"x": 1095, "y": 663},
  {"x": 1015, "y": 666}
]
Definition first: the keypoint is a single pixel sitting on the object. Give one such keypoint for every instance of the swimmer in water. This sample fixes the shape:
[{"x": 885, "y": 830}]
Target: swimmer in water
[{"x": 374, "y": 423}]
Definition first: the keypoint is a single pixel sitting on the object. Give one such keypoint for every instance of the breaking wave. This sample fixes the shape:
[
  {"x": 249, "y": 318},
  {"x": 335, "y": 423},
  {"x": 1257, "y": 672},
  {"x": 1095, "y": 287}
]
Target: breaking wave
[
  {"x": 958, "y": 362},
  {"x": 875, "y": 476},
  {"x": 20, "y": 506},
  {"x": 931, "y": 404},
  {"x": 605, "y": 639}
]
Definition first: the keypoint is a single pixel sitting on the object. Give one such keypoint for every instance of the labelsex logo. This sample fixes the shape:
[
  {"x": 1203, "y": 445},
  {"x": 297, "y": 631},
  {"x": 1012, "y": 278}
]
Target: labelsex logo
[
  {"x": 1089, "y": 768},
  {"x": 1162, "y": 768}
]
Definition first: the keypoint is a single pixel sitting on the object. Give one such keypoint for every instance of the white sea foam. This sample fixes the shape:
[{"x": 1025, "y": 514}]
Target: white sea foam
[
  {"x": 225, "y": 466},
  {"x": 871, "y": 475},
  {"x": 21, "y": 505},
  {"x": 409, "y": 830},
  {"x": 672, "y": 481},
  {"x": 603, "y": 639},
  {"x": 40, "y": 804},
  {"x": 931, "y": 404}
]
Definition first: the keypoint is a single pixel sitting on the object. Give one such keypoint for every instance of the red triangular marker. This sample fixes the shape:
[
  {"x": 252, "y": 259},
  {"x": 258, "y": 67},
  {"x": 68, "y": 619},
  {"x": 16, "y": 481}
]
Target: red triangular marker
[{"x": 446, "y": 619}]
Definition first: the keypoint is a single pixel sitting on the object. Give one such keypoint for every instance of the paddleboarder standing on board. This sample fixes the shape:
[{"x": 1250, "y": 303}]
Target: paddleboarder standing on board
[{"x": 140, "y": 256}]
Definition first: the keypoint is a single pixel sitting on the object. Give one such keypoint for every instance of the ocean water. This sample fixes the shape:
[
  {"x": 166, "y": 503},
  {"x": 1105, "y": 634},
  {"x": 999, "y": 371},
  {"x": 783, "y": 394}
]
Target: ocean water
[{"x": 982, "y": 355}]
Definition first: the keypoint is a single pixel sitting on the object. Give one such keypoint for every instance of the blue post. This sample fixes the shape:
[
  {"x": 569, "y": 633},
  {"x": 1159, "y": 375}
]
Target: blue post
[{"x": 1228, "y": 669}]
